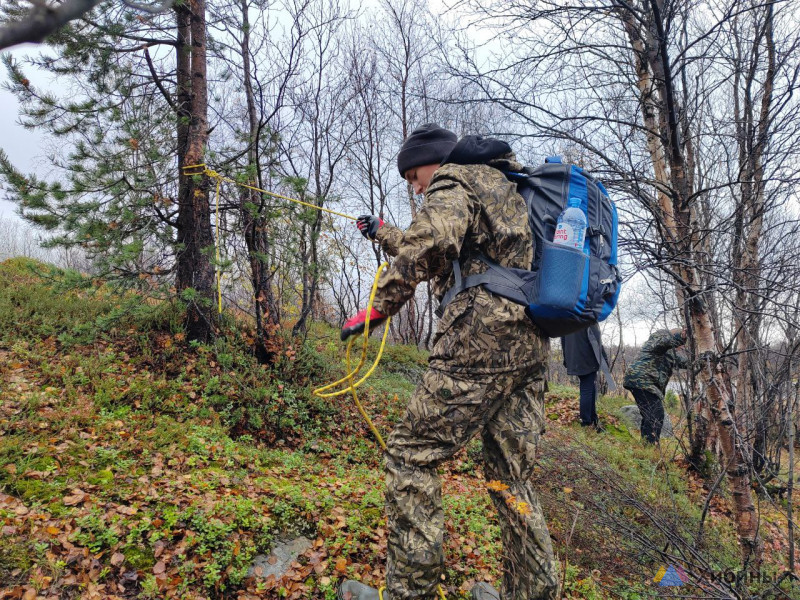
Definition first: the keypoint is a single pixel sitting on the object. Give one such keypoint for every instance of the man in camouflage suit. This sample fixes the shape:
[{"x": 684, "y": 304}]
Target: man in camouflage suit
[
  {"x": 648, "y": 375},
  {"x": 486, "y": 368}
]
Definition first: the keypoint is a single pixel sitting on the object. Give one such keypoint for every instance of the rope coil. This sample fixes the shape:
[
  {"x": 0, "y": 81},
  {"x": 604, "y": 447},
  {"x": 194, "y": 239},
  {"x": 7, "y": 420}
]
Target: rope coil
[{"x": 325, "y": 391}]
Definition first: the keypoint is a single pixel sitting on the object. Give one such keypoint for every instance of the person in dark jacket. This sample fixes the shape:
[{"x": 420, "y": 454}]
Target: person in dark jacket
[
  {"x": 583, "y": 357},
  {"x": 648, "y": 375}
]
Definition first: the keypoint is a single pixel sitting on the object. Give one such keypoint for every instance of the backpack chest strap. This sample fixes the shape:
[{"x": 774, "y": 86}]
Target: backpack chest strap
[{"x": 496, "y": 280}]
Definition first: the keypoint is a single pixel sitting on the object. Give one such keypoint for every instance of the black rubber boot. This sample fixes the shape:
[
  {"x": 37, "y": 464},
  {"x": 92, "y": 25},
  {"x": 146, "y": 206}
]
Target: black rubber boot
[
  {"x": 484, "y": 591},
  {"x": 355, "y": 590}
]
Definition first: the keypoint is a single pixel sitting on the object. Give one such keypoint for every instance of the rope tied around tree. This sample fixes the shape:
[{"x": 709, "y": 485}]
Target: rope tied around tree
[{"x": 203, "y": 169}]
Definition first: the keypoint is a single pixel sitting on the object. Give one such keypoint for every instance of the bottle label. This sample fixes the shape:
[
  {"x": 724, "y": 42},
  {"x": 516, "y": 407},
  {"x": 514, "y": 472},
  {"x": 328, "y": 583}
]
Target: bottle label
[{"x": 564, "y": 234}]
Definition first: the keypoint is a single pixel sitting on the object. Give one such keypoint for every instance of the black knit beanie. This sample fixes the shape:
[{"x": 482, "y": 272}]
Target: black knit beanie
[{"x": 426, "y": 145}]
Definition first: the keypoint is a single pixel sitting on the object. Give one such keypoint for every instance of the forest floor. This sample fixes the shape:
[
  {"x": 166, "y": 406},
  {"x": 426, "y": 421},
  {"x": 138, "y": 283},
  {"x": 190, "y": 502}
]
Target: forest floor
[{"x": 136, "y": 465}]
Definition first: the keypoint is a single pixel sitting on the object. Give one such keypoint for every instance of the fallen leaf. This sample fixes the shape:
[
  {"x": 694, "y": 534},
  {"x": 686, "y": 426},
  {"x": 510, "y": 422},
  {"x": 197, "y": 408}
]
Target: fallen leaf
[
  {"x": 159, "y": 568},
  {"x": 74, "y": 499},
  {"x": 117, "y": 559},
  {"x": 341, "y": 564}
]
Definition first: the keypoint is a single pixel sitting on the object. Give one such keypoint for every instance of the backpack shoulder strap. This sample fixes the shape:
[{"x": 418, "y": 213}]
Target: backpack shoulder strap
[{"x": 597, "y": 344}]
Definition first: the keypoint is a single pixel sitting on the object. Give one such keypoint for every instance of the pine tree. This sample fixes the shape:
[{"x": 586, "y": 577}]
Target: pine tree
[{"x": 128, "y": 113}]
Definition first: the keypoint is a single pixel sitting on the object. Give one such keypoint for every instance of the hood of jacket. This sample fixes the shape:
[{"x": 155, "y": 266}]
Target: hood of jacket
[{"x": 479, "y": 150}]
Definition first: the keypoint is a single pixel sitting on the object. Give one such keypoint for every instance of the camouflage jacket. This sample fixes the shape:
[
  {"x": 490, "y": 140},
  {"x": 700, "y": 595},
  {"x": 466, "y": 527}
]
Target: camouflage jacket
[
  {"x": 467, "y": 209},
  {"x": 653, "y": 367}
]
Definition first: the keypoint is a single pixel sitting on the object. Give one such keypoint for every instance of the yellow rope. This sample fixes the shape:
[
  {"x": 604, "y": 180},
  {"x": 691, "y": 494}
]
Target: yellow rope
[
  {"x": 218, "y": 270},
  {"x": 324, "y": 391},
  {"x": 204, "y": 170}
]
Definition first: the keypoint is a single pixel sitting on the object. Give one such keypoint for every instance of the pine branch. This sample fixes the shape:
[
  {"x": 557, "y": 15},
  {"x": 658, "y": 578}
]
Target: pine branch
[{"x": 153, "y": 9}]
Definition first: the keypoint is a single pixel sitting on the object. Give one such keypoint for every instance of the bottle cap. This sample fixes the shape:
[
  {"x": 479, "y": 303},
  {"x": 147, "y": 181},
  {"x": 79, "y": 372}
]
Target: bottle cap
[{"x": 576, "y": 202}]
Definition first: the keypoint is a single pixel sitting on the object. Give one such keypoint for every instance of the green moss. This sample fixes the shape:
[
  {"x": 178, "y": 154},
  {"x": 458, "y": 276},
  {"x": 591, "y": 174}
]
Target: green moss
[
  {"x": 557, "y": 391},
  {"x": 15, "y": 555},
  {"x": 619, "y": 432},
  {"x": 36, "y": 490},
  {"x": 139, "y": 558},
  {"x": 102, "y": 478}
]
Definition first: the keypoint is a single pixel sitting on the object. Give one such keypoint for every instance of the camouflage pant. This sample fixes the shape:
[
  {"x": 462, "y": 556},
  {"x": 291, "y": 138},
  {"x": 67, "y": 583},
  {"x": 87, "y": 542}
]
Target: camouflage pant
[{"x": 446, "y": 411}]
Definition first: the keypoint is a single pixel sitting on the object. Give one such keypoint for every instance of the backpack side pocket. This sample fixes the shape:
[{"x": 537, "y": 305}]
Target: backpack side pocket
[{"x": 561, "y": 276}]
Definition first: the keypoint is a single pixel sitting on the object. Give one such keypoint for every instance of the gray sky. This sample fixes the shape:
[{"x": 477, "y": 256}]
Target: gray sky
[{"x": 22, "y": 146}]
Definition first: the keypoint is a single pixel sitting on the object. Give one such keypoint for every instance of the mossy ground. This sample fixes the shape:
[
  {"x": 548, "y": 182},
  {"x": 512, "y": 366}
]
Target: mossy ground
[{"x": 135, "y": 464}]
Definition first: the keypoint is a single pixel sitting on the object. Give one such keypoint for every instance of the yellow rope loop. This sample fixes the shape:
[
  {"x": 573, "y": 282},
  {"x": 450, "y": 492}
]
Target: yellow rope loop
[
  {"x": 324, "y": 391},
  {"x": 188, "y": 173},
  {"x": 218, "y": 268}
]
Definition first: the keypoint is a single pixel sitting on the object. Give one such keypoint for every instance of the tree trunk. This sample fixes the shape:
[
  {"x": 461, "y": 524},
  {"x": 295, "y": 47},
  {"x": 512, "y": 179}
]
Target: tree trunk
[
  {"x": 790, "y": 486},
  {"x": 311, "y": 272},
  {"x": 195, "y": 241},
  {"x": 752, "y": 128},
  {"x": 256, "y": 228}
]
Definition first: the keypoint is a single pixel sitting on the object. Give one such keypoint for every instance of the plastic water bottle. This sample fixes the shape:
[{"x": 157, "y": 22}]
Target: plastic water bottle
[{"x": 571, "y": 226}]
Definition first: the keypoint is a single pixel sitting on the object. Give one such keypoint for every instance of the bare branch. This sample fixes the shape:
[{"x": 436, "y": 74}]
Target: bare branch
[
  {"x": 152, "y": 9},
  {"x": 43, "y": 19}
]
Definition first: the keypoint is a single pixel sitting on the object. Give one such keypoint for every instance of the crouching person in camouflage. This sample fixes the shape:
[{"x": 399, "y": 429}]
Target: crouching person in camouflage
[
  {"x": 486, "y": 367},
  {"x": 647, "y": 377}
]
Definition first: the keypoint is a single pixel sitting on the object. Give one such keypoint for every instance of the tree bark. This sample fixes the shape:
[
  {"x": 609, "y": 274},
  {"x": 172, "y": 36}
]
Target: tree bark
[
  {"x": 678, "y": 224},
  {"x": 195, "y": 242},
  {"x": 752, "y": 129}
]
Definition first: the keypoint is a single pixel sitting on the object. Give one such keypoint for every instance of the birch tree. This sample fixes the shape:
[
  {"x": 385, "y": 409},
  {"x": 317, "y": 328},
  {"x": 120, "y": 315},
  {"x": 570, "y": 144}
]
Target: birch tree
[{"x": 634, "y": 85}]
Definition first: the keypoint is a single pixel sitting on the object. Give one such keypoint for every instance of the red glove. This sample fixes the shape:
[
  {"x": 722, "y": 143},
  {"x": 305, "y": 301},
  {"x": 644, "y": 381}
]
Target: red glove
[
  {"x": 368, "y": 225},
  {"x": 355, "y": 325}
]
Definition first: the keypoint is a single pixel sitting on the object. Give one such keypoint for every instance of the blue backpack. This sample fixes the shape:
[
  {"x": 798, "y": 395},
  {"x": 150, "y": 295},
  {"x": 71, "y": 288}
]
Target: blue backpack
[{"x": 566, "y": 289}]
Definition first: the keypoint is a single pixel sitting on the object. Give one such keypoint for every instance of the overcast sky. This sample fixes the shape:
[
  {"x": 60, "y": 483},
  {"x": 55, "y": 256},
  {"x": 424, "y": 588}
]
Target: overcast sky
[{"x": 22, "y": 146}]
